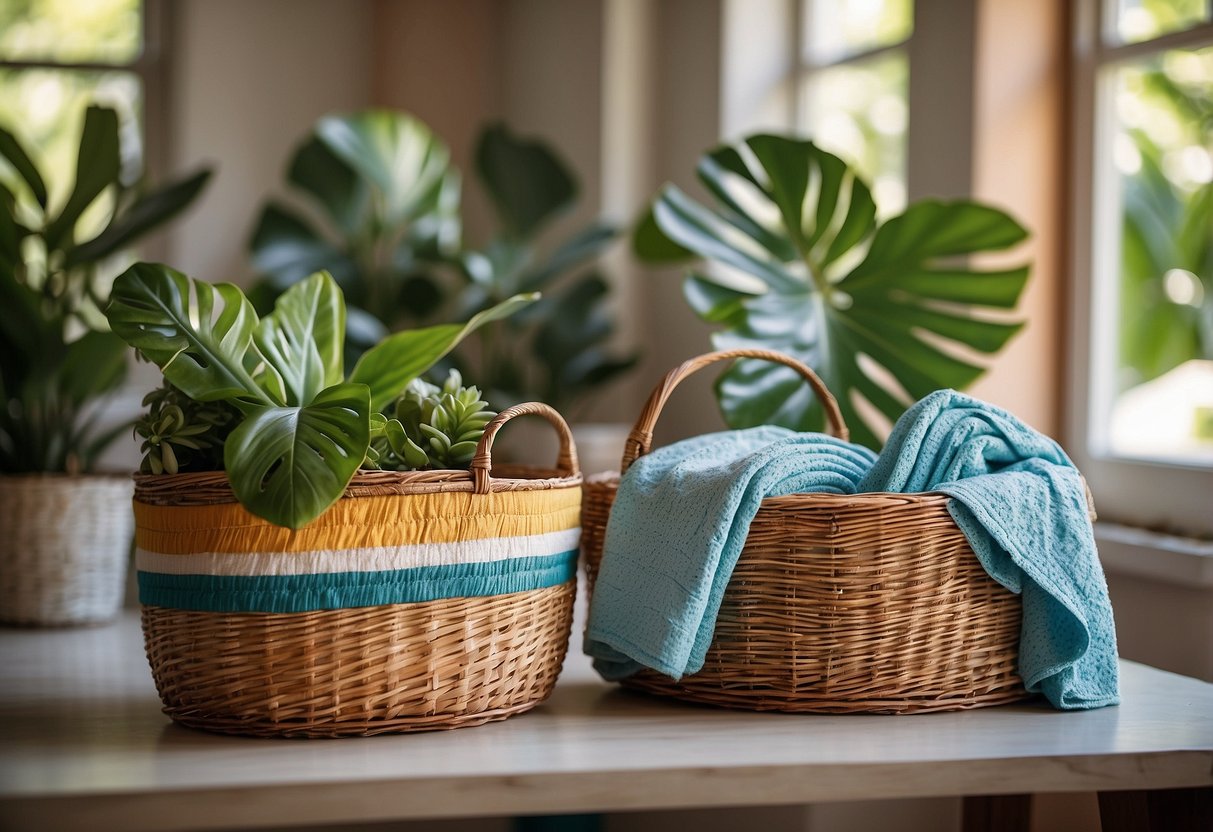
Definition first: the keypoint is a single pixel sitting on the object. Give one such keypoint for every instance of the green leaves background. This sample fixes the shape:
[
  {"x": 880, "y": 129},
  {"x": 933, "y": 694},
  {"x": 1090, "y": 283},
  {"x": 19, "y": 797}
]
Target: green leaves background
[
  {"x": 53, "y": 285},
  {"x": 831, "y": 285}
]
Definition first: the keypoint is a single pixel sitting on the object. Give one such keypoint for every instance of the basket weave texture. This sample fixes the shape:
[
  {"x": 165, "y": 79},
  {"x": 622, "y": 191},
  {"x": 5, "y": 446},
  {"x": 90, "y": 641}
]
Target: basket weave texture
[
  {"x": 64, "y": 548},
  {"x": 359, "y": 671},
  {"x": 865, "y": 603}
]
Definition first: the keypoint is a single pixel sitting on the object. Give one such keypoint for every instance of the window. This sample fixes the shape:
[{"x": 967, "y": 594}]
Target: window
[
  {"x": 1142, "y": 407},
  {"x": 58, "y": 56},
  {"x": 852, "y": 95}
]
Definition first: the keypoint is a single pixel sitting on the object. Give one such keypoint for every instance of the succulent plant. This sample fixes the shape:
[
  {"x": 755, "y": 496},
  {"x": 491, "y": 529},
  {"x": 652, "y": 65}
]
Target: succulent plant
[
  {"x": 432, "y": 427},
  {"x": 180, "y": 434}
]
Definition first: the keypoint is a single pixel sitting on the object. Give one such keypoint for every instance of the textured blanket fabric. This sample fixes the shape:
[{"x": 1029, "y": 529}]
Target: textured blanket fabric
[
  {"x": 677, "y": 528},
  {"x": 682, "y": 514},
  {"x": 1022, "y": 505}
]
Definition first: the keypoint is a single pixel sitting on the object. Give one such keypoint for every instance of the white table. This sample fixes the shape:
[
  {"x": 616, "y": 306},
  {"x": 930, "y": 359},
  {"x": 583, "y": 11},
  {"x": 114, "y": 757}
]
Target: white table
[{"x": 83, "y": 745}]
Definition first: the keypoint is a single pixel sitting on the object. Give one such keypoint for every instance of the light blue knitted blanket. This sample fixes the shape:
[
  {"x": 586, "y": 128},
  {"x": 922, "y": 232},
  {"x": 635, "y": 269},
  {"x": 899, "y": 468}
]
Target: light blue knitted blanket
[
  {"x": 1022, "y": 505},
  {"x": 682, "y": 513}
]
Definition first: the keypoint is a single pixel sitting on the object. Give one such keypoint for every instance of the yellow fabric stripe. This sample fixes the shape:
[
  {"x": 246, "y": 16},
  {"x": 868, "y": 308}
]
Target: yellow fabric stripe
[{"x": 366, "y": 521}]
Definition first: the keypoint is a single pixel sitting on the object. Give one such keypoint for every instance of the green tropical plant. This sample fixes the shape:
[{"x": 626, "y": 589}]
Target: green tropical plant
[
  {"x": 56, "y": 356},
  {"x": 389, "y": 203},
  {"x": 181, "y": 434},
  {"x": 433, "y": 427},
  {"x": 392, "y": 238},
  {"x": 825, "y": 281},
  {"x": 1166, "y": 229},
  {"x": 305, "y": 426},
  {"x": 557, "y": 349}
]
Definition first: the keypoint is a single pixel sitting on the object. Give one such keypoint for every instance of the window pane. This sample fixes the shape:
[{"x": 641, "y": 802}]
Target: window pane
[
  {"x": 859, "y": 112},
  {"x": 1138, "y": 20},
  {"x": 836, "y": 28},
  {"x": 45, "y": 109},
  {"x": 1163, "y": 152},
  {"x": 66, "y": 31}
]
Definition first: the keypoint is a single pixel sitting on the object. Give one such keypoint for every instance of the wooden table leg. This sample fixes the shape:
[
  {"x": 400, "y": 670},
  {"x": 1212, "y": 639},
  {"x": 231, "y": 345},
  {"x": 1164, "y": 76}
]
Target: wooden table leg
[
  {"x": 1158, "y": 810},
  {"x": 997, "y": 813}
]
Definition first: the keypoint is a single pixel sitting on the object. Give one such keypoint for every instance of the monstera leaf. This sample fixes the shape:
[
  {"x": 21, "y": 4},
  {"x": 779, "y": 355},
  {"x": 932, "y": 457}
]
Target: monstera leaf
[
  {"x": 839, "y": 290},
  {"x": 305, "y": 429},
  {"x": 302, "y": 339},
  {"x": 196, "y": 332},
  {"x": 383, "y": 184},
  {"x": 568, "y": 332},
  {"x": 289, "y": 464}
]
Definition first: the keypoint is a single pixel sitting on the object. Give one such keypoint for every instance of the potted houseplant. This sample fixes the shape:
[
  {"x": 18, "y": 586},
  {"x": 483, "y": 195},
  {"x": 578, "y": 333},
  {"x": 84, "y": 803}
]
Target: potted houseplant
[
  {"x": 410, "y": 265},
  {"x": 386, "y": 203},
  {"x": 338, "y": 547},
  {"x": 67, "y": 536},
  {"x": 858, "y": 300}
]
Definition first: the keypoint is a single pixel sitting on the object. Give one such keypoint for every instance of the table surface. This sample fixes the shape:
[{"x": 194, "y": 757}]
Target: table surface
[{"x": 83, "y": 744}]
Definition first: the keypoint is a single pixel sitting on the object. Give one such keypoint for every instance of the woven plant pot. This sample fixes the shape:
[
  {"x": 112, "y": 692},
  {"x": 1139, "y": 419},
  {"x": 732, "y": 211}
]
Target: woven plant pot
[
  {"x": 64, "y": 548},
  {"x": 865, "y": 603},
  {"x": 358, "y": 660}
]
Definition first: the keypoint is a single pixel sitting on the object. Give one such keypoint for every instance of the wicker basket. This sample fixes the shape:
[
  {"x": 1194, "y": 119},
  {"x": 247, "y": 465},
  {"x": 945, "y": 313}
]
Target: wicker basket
[
  {"x": 64, "y": 548},
  {"x": 868, "y": 603},
  {"x": 362, "y": 670}
]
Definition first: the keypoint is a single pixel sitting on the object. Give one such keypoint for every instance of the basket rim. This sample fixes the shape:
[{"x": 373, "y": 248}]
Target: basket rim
[
  {"x": 213, "y": 487},
  {"x": 866, "y": 499}
]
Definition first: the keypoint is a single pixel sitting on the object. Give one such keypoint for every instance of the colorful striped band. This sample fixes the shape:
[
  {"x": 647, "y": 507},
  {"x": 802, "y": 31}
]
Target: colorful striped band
[{"x": 362, "y": 552}]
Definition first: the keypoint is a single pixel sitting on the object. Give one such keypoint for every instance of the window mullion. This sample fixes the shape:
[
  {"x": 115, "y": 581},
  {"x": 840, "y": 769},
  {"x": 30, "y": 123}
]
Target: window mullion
[{"x": 1197, "y": 36}]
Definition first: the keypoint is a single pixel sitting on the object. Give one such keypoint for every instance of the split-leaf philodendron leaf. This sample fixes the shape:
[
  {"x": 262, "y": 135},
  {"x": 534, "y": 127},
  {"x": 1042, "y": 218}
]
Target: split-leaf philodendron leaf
[
  {"x": 305, "y": 430},
  {"x": 837, "y": 285}
]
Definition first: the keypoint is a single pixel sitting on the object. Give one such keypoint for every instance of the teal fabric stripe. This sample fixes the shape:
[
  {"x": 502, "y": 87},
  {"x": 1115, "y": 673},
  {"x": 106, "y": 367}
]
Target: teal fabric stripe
[{"x": 340, "y": 590}]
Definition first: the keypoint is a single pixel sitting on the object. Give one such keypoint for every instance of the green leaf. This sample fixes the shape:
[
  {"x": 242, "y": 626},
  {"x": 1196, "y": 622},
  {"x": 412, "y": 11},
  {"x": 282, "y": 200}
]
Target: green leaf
[
  {"x": 93, "y": 365},
  {"x": 196, "y": 332},
  {"x": 652, "y": 246},
  {"x": 396, "y": 153},
  {"x": 11, "y": 232},
  {"x": 302, "y": 338},
  {"x": 710, "y": 235},
  {"x": 287, "y": 465},
  {"x": 527, "y": 182},
  {"x": 388, "y": 367},
  {"x": 335, "y": 187},
  {"x": 287, "y": 249},
  {"x": 931, "y": 229},
  {"x": 714, "y": 303},
  {"x": 570, "y": 341},
  {"x": 841, "y": 288},
  {"x": 147, "y": 213},
  {"x": 581, "y": 247},
  {"x": 12, "y": 151},
  {"x": 98, "y": 163}
]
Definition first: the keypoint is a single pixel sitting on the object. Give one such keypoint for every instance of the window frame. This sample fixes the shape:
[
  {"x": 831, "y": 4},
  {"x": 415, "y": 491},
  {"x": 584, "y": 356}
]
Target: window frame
[
  {"x": 1161, "y": 495},
  {"x": 149, "y": 67}
]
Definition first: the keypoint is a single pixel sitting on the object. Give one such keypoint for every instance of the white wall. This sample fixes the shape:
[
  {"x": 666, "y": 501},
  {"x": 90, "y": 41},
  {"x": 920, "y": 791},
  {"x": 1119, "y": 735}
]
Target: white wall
[{"x": 248, "y": 79}]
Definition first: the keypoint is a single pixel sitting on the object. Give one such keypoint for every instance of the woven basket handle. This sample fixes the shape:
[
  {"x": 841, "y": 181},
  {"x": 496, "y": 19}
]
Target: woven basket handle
[
  {"x": 640, "y": 440},
  {"x": 482, "y": 462}
]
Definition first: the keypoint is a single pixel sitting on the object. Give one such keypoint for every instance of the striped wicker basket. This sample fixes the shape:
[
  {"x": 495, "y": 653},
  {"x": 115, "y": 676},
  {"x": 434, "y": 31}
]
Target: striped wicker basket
[
  {"x": 838, "y": 604},
  {"x": 419, "y": 601}
]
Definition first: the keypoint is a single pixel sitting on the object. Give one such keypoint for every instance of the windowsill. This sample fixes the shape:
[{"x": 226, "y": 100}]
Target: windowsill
[{"x": 1126, "y": 550}]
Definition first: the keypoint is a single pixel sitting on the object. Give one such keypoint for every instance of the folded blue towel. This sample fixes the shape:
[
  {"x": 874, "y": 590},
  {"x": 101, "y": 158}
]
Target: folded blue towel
[
  {"x": 1022, "y": 505},
  {"x": 676, "y": 529}
]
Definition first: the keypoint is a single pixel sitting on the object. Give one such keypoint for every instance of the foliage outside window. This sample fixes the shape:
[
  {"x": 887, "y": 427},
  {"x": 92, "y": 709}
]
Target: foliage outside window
[
  {"x": 56, "y": 58},
  {"x": 1155, "y": 131}
]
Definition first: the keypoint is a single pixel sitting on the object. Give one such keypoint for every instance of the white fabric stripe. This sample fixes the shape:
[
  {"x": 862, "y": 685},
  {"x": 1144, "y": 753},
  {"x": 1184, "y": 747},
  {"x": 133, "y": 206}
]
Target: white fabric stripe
[{"x": 369, "y": 559}]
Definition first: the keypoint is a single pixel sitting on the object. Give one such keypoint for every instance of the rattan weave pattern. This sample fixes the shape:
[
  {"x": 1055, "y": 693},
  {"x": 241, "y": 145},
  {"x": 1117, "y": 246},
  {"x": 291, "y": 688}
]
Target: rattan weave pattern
[
  {"x": 397, "y": 668},
  {"x": 839, "y": 603},
  {"x": 358, "y": 672},
  {"x": 64, "y": 547}
]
